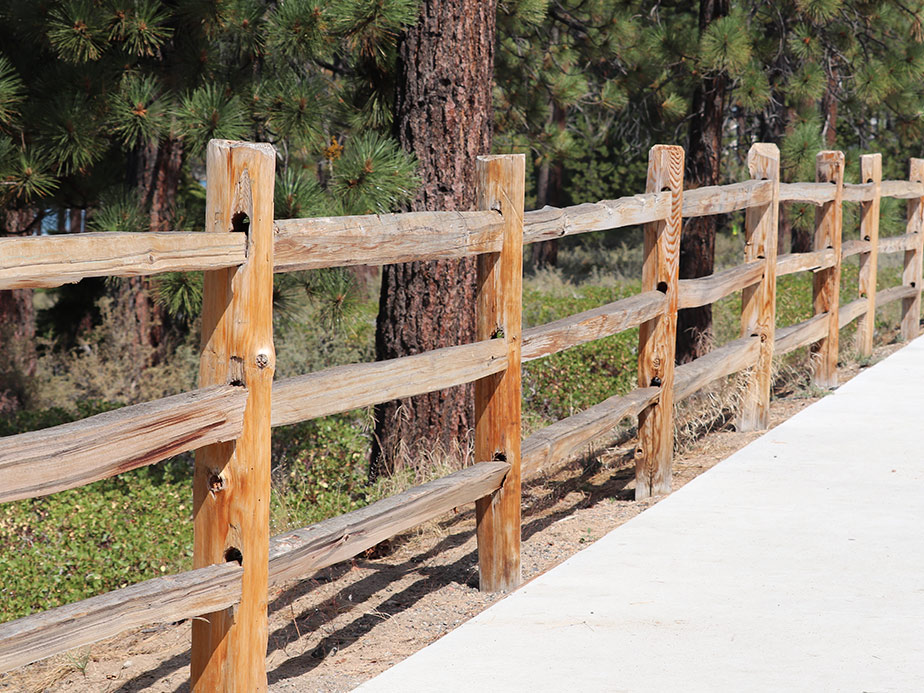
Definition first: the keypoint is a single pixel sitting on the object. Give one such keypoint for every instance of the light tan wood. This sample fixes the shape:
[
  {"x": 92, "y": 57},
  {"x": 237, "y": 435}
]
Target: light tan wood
[
  {"x": 790, "y": 263},
  {"x": 570, "y": 436},
  {"x": 501, "y": 185},
  {"x": 801, "y": 334},
  {"x": 854, "y": 247},
  {"x": 860, "y": 192},
  {"x": 592, "y": 324},
  {"x": 343, "y": 388},
  {"x": 817, "y": 193},
  {"x": 722, "y": 199},
  {"x": 551, "y": 222},
  {"x": 707, "y": 290},
  {"x": 46, "y": 261},
  {"x": 161, "y": 600},
  {"x": 78, "y": 453},
  {"x": 850, "y": 312},
  {"x": 902, "y": 189},
  {"x": 911, "y": 274},
  {"x": 657, "y": 337},
  {"x": 231, "y": 482},
  {"x": 758, "y": 303},
  {"x": 894, "y": 293},
  {"x": 298, "y": 553},
  {"x": 896, "y": 244},
  {"x": 726, "y": 360},
  {"x": 381, "y": 239},
  {"x": 871, "y": 174},
  {"x": 826, "y": 283}
]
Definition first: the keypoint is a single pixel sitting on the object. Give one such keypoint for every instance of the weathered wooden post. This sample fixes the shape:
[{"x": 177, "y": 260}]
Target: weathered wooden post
[
  {"x": 911, "y": 275},
  {"x": 826, "y": 283},
  {"x": 871, "y": 173},
  {"x": 501, "y": 184},
  {"x": 658, "y": 337},
  {"x": 758, "y": 302},
  {"x": 231, "y": 484}
]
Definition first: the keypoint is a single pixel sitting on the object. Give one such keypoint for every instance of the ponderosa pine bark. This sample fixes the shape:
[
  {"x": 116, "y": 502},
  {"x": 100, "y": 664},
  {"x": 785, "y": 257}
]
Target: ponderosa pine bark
[
  {"x": 704, "y": 150},
  {"x": 443, "y": 116}
]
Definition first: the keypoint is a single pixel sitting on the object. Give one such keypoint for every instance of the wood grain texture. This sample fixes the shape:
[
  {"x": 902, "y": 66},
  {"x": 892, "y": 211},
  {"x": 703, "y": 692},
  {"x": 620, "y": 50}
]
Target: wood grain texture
[
  {"x": 46, "y": 261},
  {"x": 758, "y": 302},
  {"x": 790, "y": 263},
  {"x": 161, "y": 600},
  {"x": 231, "y": 481},
  {"x": 728, "y": 359},
  {"x": 849, "y": 312},
  {"x": 911, "y": 273},
  {"x": 78, "y": 453},
  {"x": 658, "y": 337},
  {"x": 902, "y": 189},
  {"x": 501, "y": 185},
  {"x": 380, "y": 239},
  {"x": 896, "y": 244},
  {"x": 557, "y": 442},
  {"x": 826, "y": 283},
  {"x": 894, "y": 293},
  {"x": 588, "y": 325},
  {"x": 722, "y": 199},
  {"x": 801, "y": 334},
  {"x": 854, "y": 247},
  {"x": 343, "y": 388},
  {"x": 817, "y": 193},
  {"x": 298, "y": 553},
  {"x": 551, "y": 222},
  {"x": 706, "y": 290},
  {"x": 860, "y": 192},
  {"x": 871, "y": 174}
]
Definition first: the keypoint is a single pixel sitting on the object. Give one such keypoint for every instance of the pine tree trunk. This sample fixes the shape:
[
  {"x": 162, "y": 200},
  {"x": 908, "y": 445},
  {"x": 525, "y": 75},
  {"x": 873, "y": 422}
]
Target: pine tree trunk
[
  {"x": 443, "y": 116},
  {"x": 704, "y": 150},
  {"x": 17, "y": 323}
]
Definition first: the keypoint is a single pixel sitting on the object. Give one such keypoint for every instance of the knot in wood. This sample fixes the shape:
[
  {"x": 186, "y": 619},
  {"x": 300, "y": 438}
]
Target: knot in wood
[{"x": 262, "y": 361}]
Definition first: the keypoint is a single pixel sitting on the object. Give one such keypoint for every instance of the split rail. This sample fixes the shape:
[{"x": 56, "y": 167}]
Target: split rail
[{"x": 228, "y": 420}]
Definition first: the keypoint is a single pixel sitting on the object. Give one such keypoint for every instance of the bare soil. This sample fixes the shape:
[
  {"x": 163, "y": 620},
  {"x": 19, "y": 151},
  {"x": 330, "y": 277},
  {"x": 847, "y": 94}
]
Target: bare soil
[{"x": 352, "y": 621}]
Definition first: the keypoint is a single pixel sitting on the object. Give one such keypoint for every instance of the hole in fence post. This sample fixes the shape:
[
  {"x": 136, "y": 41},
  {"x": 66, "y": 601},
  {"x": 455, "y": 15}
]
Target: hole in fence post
[
  {"x": 216, "y": 483},
  {"x": 234, "y": 554},
  {"x": 662, "y": 287},
  {"x": 500, "y": 457}
]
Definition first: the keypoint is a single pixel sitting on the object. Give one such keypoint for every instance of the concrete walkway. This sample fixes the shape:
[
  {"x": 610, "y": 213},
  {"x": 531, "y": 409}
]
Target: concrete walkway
[{"x": 795, "y": 565}]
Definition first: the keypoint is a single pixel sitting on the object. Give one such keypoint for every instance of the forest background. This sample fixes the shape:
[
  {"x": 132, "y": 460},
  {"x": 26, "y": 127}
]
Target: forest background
[{"x": 105, "y": 110}]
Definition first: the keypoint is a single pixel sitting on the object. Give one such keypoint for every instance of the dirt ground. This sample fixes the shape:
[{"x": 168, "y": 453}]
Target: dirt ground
[{"x": 352, "y": 621}]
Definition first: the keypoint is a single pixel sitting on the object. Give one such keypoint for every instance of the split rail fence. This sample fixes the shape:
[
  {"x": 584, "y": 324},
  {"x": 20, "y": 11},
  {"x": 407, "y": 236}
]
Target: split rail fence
[{"x": 228, "y": 420}]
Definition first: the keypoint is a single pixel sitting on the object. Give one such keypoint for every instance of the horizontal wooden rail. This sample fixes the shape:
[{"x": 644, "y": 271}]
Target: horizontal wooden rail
[
  {"x": 902, "y": 189},
  {"x": 894, "y": 293},
  {"x": 615, "y": 317},
  {"x": 707, "y": 290},
  {"x": 811, "y": 193},
  {"x": 551, "y": 222},
  {"x": 46, "y": 261},
  {"x": 161, "y": 600},
  {"x": 722, "y": 199},
  {"x": 727, "y": 359},
  {"x": 381, "y": 239},
  {"x": 298, "y": 553},
  {"x": 858, "y": 192},
  {"x": 798, "y": 262},
  {"x": 343, "y": 388},
  {"x": 78, "y": 453},
  {"x": 800, "y": 334},
  {"x": 849, "y": 312},
  {"x": 855, "y": 247},
  {"x": 566, "y": 437},
  {"x": 897, "y": 244}
]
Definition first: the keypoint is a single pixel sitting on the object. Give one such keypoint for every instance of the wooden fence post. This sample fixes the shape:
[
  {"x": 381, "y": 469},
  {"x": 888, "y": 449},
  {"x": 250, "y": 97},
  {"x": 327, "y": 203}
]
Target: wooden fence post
[
  {"x": 911, "y": 276},
  {"x": 870, "y": 172},
  {"x": 826, "y": 283},
  {"x": 758, "y": 302},
  {"x": 501, "y": 185},
  {"x": 231, "y": 483},
  {"x": 658, "y": 337}
]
